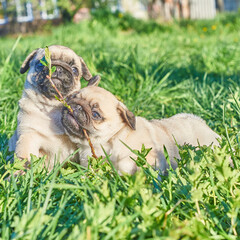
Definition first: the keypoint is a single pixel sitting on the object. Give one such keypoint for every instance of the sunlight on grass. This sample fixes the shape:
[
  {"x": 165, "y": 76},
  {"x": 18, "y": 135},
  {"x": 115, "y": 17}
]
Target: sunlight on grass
[{"x": 188, "y": 67}]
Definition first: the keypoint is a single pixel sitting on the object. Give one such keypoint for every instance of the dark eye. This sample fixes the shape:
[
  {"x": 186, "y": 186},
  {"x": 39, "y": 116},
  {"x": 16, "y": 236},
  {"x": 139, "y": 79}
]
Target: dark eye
[
  {"x": 39, "y": 67},
  {"x": 75, "y": 71},
  {"x": 96, "y": 115}
]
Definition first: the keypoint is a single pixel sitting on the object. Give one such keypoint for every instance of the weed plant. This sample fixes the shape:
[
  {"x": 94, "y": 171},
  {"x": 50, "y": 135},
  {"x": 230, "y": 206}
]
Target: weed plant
[{"x": 190, "y": 67}]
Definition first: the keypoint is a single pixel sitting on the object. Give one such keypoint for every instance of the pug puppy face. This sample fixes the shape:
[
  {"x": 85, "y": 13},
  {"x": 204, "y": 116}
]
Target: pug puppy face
[
  {"x": 69, "y": 69},
  {"x": 99, "y": 112}
]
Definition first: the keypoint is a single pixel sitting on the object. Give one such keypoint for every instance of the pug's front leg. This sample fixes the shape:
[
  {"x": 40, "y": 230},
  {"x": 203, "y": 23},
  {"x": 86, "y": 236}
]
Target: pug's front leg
[{"x": 28, "y": 144}]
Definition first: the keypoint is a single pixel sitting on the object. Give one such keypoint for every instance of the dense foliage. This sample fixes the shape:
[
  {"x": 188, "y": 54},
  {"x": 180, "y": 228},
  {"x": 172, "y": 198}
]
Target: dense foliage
[{"x": 189, "y": 67}]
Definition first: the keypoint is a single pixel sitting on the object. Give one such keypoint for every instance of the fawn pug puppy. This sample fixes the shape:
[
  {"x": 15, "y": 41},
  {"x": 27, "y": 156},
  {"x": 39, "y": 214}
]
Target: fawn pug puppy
[
  {"x": 108, "y": 122},
  {"x": 39, "y": 129}
]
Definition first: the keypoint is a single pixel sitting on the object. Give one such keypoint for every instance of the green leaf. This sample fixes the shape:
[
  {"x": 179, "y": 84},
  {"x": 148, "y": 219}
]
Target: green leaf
[
  {"x": 196, "y": 194},
  {"x": 43, "y": 63},
  {"x": 47, "y": 55},
  {"x": 167, "y": 157},
  {"x": 53, "y": 69},
  {"x": 57, "y": 98}
]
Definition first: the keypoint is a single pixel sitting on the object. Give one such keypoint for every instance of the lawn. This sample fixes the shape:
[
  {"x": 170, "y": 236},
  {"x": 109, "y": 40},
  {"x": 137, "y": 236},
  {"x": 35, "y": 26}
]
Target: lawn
[{"x": 158, "y": 71}]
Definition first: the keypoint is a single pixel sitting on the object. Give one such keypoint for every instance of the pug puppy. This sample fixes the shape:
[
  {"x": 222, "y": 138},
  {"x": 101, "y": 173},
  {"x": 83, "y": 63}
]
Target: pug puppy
[
  {"x": 110, "y": 124},
  {"x": 39, "y": 131}
]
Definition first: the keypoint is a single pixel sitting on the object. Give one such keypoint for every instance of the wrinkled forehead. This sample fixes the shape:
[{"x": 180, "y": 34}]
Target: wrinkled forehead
[
  {"x": 96, "y": 95},
  {"x": 61, "y": 53}
]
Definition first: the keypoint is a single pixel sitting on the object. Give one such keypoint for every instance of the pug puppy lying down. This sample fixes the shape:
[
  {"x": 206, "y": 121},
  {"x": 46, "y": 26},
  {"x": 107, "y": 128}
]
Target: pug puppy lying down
[
  {"x": 39, "y": 129},
  {"x": 108, "y": 122}
]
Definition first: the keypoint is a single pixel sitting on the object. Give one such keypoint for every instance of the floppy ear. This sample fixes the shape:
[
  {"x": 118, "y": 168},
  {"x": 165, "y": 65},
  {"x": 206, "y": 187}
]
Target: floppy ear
[
  {"x": 127, "y": 116},
  {"x": 25, "y": 65},
  {"x": 85, "y": 71},
  {"x": 94, "y": 81}
]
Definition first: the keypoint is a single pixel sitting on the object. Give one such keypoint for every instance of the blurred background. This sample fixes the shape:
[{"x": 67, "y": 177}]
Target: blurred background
[{"x": 30, "y": 15}]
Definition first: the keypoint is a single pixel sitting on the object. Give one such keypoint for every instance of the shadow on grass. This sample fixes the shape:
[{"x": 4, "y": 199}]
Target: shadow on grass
[
  {"x": 5, "y": 155},
  {"x": 3, "y": 143}
]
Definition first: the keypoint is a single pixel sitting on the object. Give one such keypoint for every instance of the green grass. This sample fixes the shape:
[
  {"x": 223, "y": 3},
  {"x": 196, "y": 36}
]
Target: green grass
[{"x": 178, "y": 67}]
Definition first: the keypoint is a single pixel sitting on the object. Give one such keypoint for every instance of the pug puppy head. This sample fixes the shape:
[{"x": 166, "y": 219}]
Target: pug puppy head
[
  {"x": 69, "y": 69},
  {"x": 99, "y": 112}
]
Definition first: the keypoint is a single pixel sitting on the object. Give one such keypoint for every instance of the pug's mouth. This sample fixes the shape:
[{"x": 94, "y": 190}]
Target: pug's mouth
[{"x": 71, "y": 124}]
